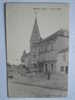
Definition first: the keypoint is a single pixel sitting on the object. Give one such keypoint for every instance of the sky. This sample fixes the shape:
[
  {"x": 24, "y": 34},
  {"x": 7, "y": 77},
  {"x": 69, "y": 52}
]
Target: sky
[{"x": 20, "y": 19}]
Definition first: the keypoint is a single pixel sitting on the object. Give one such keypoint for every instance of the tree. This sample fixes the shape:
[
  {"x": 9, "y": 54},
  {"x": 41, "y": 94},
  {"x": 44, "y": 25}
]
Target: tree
[
  {"x": 23, "y": 57},
  {"x": 9, "y": 65}
]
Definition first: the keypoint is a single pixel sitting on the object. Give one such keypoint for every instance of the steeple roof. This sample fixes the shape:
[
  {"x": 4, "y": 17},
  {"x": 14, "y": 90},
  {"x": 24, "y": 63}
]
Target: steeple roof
[{"x": 35, "y": 37}]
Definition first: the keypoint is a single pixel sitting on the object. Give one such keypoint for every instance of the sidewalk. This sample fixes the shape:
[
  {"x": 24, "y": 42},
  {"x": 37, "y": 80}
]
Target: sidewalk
[{"x": 56, "y": 82}]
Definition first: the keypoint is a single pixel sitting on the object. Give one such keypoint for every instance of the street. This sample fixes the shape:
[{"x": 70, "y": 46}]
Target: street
[
  {"x": 37, "y": 86},
  {"x": 24, "y": 90}
]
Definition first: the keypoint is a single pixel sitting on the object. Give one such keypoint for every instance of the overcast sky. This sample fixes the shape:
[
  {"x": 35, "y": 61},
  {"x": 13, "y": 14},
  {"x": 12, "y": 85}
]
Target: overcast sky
[{"x": 19, "y": 24}]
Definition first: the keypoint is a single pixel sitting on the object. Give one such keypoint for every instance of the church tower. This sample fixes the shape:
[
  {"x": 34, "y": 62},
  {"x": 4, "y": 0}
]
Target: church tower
[{"x": 35, "y": 37}]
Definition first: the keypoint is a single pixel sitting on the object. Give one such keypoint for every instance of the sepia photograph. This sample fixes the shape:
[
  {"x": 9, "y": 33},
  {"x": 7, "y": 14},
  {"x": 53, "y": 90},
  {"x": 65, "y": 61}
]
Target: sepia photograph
[{"x": 37, "y": 49}]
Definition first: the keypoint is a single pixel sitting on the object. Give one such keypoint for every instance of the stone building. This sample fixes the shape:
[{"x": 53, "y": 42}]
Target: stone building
[{"x": 45, "y": 53}]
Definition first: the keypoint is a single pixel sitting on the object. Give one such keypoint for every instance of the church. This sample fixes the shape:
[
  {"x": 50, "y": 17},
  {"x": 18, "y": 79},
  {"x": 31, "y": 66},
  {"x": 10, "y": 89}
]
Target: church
[{"x": 49, "y": 54}]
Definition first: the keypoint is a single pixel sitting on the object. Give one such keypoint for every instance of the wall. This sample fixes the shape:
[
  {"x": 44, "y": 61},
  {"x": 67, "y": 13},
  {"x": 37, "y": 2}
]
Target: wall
[{"x": 62, "y": 60}]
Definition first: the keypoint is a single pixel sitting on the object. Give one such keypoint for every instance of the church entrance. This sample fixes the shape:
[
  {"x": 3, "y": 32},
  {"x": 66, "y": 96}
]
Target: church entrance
[{"x": 49, "y": 67}]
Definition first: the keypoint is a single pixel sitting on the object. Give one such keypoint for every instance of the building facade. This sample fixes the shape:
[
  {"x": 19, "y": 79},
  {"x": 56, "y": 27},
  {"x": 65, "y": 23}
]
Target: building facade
[{"x": 45, "y": 53}]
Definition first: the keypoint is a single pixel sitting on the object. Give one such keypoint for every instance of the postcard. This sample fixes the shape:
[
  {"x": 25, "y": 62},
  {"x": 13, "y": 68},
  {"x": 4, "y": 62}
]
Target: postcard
[{"x": 37, "y": 49}]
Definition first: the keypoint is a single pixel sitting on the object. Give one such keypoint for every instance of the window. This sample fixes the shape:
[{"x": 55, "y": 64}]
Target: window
[
  {"x": 62, "y": 68},
  {"x": 49, "y": 47},
  {"x": 52, "y": 47},
  {"x": 66, "y": 70}
]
